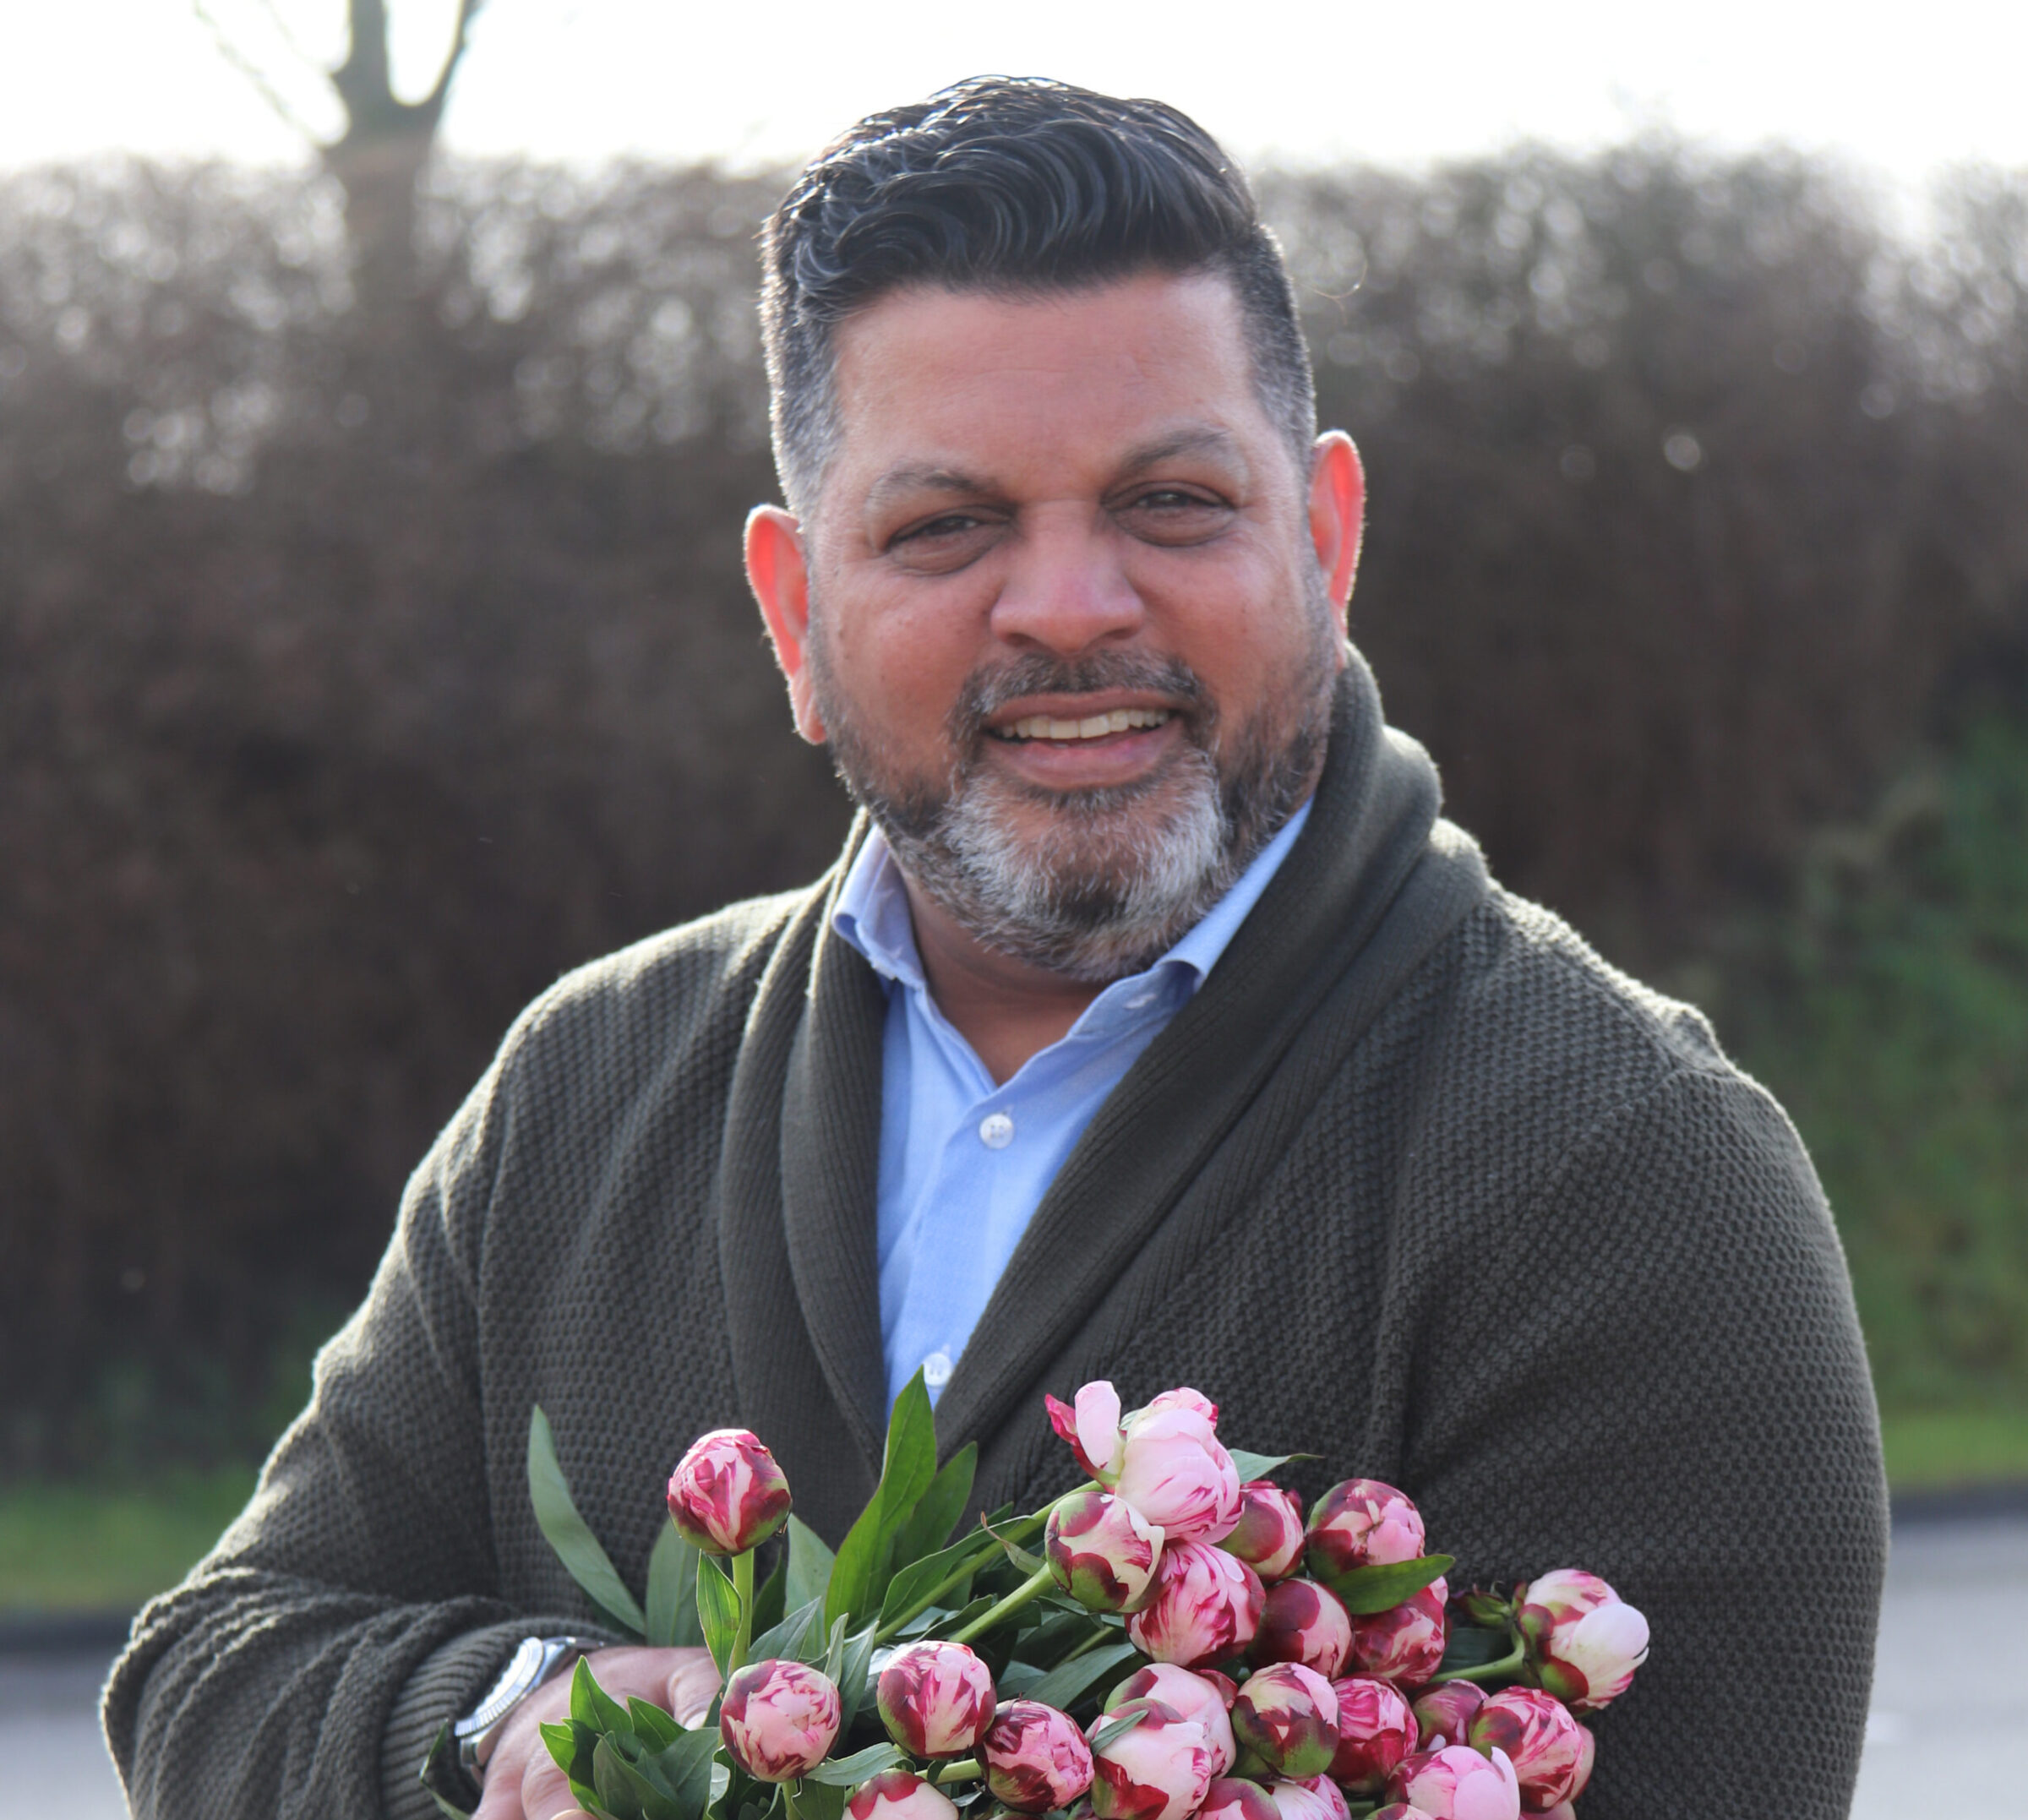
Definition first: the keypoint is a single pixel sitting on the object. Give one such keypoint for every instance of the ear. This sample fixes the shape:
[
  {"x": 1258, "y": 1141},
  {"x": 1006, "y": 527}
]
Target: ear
[
  {"x": 1337, "y": 514},
  {"x": 777, "y": 572}
]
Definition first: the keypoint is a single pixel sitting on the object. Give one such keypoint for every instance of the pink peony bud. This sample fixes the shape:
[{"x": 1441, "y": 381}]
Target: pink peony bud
[
  {"x": 1202, "y": 1695},
  {"x": 1269, "y": 1535},
  {"x": 1187, "y": 1398},
  {"x": 1036, "y": 1757},
  {"x": 1101, "y": 1551},
  {"x": 1302, "y": 1622},
  {"x": 1091, "y": 1428},
  {"x": 1404, "y": 1645},
  {"x": 1235, "y": 1798},
  {"x": 896, "y": 1795},
  {"x": 1376, "y": 1731},
  {"x": 1205, "y": 1606},
  {"x": 778, "y": 1720},
  {"x": 727, "y": 1495},
  {"x": 1160, "y": 1770},
  {"x": 1174, "y": 1471},
  {"x": 1362, "y": 1523},
  {"x": 1443, "y": 1715},
  {"x": 935, "y": 1699},
  {"x": 1308, "y": 1798},
  {"x": 1287, "y": 1715},
  {"x": 1550, "y": 1751},
  {"x": 1458, "y": 1784},
  {"x": 1585, "y": 1641}
]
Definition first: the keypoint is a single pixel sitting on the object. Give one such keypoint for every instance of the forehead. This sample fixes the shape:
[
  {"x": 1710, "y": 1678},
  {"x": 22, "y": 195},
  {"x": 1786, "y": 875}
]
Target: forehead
[{"x": 926, "y": 374}]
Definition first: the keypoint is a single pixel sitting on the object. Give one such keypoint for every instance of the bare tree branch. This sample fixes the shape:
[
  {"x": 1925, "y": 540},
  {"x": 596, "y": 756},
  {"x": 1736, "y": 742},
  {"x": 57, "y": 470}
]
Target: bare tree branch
[
  {"x": 439, "y": 92},
  {"x": 254, "y": 73},
  {"x": 287, "y": 31}
]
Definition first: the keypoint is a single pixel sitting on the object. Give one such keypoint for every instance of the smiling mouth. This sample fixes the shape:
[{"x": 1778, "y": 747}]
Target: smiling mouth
[{"x": 1091, "y": 727}]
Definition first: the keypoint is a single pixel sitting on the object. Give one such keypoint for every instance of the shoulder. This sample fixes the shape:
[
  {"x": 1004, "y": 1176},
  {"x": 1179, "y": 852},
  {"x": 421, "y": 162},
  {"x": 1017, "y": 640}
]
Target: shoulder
[
  {"x": 677, "y": 997},
  {"x": 1536, "y": 1055}
]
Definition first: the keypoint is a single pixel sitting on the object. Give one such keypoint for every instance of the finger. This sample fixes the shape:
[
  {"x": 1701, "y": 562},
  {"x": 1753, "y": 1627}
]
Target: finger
[
  {"x": 692, "y": 1686},
  {"x": 545, "y": 1793}
]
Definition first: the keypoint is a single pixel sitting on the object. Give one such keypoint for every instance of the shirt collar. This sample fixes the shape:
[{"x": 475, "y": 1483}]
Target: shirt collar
[{"x": 872, "y": 912}]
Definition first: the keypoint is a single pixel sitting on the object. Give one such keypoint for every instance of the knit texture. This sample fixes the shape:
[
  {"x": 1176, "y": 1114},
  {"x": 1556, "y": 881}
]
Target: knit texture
[{"x": 1415, "y": 1182}]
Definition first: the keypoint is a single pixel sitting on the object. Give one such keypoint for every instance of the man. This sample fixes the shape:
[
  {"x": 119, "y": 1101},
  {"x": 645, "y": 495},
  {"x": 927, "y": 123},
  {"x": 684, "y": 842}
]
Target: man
[{"x": 1151, "y": 1026}]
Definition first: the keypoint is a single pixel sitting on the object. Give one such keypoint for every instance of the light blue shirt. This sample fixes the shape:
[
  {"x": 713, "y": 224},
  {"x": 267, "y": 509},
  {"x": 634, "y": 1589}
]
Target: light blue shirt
[{"x": 964, "y": 1163}]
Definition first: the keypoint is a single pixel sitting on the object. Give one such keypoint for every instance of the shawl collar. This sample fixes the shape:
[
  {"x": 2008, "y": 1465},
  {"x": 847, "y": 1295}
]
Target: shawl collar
[{"x": 1367, "y": 880}]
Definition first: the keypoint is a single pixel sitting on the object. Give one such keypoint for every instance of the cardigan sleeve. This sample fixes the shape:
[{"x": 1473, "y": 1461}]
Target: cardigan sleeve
[
  {"x": 304, "y": 1665},
  {"x": 1653, "y": 1370}
]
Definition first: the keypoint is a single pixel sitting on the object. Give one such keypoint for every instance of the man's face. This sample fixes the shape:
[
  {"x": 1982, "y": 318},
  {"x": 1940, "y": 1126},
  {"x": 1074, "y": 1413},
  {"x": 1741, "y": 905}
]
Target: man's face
[{"x": 1070, "y": 636}]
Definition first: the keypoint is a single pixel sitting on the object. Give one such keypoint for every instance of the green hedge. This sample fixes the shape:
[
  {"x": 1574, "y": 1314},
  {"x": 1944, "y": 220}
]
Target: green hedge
[{"x": 1891, "y": 1017}]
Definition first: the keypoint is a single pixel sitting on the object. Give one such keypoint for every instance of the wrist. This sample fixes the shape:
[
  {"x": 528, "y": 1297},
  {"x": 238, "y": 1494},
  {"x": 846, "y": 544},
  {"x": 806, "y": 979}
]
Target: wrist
[{"x": 536, "y": 1660}]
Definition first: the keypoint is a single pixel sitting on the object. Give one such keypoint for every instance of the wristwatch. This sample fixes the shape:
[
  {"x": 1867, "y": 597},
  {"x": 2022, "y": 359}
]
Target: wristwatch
[{"x": 534, "y": 1662}]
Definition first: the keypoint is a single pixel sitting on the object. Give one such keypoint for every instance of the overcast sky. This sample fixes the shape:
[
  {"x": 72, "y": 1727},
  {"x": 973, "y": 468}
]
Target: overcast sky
[{"x": 1899, "y": 90}]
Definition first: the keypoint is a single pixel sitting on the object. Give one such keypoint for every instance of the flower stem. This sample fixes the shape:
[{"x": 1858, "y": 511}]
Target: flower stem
[
  {"x": 1488, "y": 1670},
  {"x": 743, "y": 1584},
  {"x": 1027, "y": 1593},
  {"x": 1021, "y": 1528},
  {"x": 963, "y": 1769}
]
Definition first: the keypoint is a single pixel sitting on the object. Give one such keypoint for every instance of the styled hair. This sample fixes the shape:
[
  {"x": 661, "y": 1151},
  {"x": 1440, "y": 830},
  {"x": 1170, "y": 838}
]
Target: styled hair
[{"x": 1009, "y": 185}]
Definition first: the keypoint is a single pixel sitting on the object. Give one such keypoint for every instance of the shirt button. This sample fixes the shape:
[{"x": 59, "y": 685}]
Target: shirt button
[
  {"x": 936, "y": 1371},
  {"x": 996, "y": 1130}
]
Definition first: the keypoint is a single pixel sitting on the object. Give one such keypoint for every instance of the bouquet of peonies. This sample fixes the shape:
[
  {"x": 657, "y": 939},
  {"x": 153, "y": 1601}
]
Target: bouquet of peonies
[{"x": 1184, "y": 1644}]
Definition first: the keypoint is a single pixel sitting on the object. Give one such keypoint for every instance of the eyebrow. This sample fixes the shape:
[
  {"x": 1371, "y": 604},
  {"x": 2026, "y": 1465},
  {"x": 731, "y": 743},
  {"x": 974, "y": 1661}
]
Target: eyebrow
[{"x": 933, "y": 477}]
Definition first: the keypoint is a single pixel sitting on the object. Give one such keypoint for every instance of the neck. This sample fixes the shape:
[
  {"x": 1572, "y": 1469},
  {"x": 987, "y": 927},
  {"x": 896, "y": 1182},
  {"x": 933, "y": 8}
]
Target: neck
[{"x": 1007, "y": 1010}]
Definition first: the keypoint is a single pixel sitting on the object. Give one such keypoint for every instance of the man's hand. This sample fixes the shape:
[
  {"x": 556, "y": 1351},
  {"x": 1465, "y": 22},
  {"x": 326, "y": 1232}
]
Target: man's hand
[{"x": 521, "y": 1780}]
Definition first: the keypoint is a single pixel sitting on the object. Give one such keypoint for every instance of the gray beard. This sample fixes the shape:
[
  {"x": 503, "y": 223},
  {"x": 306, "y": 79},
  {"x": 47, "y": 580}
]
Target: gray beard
[{"x": 1112, "y": 882}]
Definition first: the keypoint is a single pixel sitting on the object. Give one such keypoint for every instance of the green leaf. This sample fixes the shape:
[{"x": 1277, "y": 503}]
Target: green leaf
[
  {"x": 809, "y": 1565},
  {"x": 833, "y": 1664},
  {"x": 1259, "y": 1465},
  {"x": 1383, "y": 1586},
  {"x": 672, "y": 1619},
  {"x": 942, "y": 1504},
  {"x": 568, "y": 1533},
  {"x": 1119, "y": 1728},
  {"x": 852, "y": 1677},
  {"x": 687, "y": 1767},
  {"x": 651, "y": 1725},
  {"x": 615, "y": 1787},
  {"x": 859, "y": 1578},
  {"x": 1016, "y": 1553},
  {"x": 1061, "y": 1687},
  {"x": 718, "y": 1609},
  {"x": 591, "y": 1705},
  {"x": 570, "y": 1747},
  {"x": 791, "y": 1636},
  {"x": 849, "y": 1772},
  {"x": 915, "y": 1581},
  {"x": 815, "y": 1801}
]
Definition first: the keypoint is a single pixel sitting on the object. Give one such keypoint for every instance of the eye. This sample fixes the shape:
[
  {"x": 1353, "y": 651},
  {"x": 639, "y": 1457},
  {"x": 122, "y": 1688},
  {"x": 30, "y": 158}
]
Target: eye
[
  {"x": 947, "y": 524},
  {"x": 947, "y": 542},
  {"x": 1174, "y": 514}
]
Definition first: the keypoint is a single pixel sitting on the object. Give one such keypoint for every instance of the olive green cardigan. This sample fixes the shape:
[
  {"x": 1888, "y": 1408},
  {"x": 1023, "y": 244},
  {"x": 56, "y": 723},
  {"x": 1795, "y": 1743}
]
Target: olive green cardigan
[{"x": 1415, "y": 1183}]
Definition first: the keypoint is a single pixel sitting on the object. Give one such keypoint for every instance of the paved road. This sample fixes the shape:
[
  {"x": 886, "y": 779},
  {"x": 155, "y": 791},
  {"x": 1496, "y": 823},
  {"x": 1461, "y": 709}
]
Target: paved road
[{"x": 1949, "y": 1719}]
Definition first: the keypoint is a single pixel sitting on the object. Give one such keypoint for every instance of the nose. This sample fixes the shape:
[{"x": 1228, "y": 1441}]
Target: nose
[{"x": 1066, "y": 590}]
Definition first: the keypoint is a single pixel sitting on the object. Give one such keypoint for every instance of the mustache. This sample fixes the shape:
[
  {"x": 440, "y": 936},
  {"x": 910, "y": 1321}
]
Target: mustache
[{"x": 986, "y": 691}]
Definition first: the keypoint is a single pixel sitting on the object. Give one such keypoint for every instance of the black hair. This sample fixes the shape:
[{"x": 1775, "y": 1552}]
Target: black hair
[{"x": 1005, "y": 183}]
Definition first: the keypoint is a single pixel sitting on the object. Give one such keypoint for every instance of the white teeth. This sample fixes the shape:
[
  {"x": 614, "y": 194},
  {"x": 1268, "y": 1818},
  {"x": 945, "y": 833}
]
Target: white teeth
[{"x": 1093, "y": 727}]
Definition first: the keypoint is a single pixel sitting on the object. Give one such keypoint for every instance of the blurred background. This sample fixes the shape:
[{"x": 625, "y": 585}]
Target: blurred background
[{"x": 379, "y": 401}]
